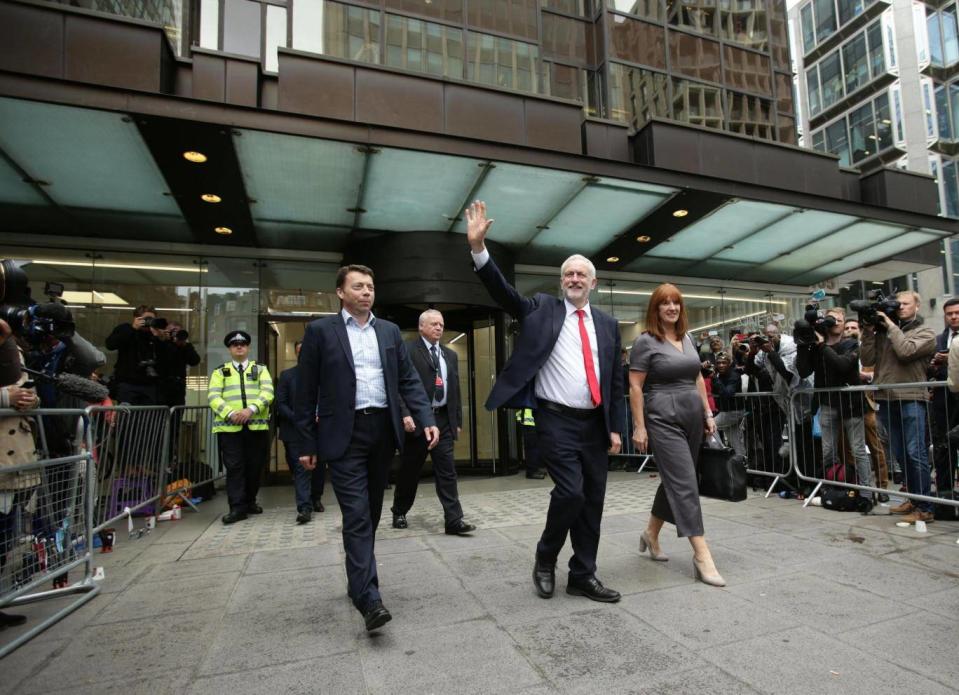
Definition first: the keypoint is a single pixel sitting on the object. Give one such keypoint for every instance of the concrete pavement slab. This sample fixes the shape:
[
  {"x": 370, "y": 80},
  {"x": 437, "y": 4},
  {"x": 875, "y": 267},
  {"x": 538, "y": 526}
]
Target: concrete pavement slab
[
  {"x": 171, "y": 571},
  {"x": 188, "y": 594},
  {"x": 293, "y": 559},
  {"x": 880, "y": 575},
  {"x": 319, "y": 675},
  {"x": 288, "y": 589}
]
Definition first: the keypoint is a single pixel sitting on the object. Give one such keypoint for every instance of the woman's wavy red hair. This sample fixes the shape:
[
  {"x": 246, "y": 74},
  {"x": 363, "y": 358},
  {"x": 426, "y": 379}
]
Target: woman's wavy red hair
[{"x": 654, "y": 324}]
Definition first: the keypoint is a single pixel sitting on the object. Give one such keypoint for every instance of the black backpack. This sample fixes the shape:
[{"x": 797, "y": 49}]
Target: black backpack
[{"x": 840, "y": 499}]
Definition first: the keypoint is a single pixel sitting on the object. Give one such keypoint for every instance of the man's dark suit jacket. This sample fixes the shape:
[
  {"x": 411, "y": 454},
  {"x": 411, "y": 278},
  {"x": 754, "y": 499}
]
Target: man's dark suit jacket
[
  {"x": 285, "y": 397},
  {"x": 541, "y": 318},
  {"x": 423, "y": 362},
  {"x": 326, "y": 388}
]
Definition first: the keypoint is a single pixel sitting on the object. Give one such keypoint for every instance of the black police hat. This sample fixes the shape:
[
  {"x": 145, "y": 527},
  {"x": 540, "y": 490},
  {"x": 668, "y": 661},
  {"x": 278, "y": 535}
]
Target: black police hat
[{"x": 237, "y": 337}]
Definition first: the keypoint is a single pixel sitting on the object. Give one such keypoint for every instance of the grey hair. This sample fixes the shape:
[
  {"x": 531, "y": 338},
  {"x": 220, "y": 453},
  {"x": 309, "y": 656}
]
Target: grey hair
[
  {"x": 581, "y": 259},
  {"x": 426, "y": 314},
  {"x": 915, "y": 295}
]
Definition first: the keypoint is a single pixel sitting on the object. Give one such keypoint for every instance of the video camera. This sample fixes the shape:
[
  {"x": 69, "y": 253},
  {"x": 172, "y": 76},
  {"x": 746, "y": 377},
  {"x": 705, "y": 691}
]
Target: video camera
[
  {"x": 25, "y": 318},
  {"x": 869, "y": 309},
  {"x": 813, "y": 321}
]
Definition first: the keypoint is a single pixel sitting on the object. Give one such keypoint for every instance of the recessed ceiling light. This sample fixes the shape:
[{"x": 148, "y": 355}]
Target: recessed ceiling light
[
  {"x": 225, "y": 231},
  {"x": 642, "y": 239},
  {"x": 680, "y": 213},
  {"x": 210, "y": 198},
  {"x": 613, "y": 259},
  {"x": 194, "y": 156}
]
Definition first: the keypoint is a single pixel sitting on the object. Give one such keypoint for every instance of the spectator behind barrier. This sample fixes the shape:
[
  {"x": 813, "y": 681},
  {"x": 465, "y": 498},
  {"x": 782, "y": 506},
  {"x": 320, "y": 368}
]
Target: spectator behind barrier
[
  {"x": 138, "y": 354},
  {"x": 175, "y": 354},
  {"x": 945, "y": 404},
  {"x": 726, "y": 383},
  {"x": 834, "y": 361},
  {"x": 900, "y": 350}
]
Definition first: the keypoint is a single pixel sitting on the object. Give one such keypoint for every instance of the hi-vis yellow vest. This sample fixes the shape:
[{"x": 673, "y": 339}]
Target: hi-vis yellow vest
[
  {"x": 525, "y": 417},
  {"x": 229, "y": 390}
]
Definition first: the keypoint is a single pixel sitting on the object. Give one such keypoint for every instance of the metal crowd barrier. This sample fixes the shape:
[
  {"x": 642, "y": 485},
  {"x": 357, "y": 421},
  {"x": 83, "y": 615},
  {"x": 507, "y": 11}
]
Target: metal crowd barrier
[
  {"x": 193, "y": 455},
  {"x": 629, "y": 448},
  {"x": 759, "y": 429},
  {"x": 869, "y": 436},
  {"x": 46, "y": 528}
]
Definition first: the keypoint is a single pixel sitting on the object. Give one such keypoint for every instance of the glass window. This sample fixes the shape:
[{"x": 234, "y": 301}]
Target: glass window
[
  {"x": 697, "y": 15},
  {"x": 849, "y": 9},
  {"x": 942, "y": 113},
  {"x": 747, "y": 70},
  {"x": 744, "y": 22},
  {"x": 501, "y": 62},
  {"x": 784, "y": 93},
  {"x": 891, "y": 43},
  {"x": 695, "y": 57},
  {"x": 883, "y": 121},
  {"x": 564, "y": 37},
  {"x": 951, "y": 188},
  {"x": 435, "y": 49},
  {"x": 636, "y": 95},
  {"x": 697, "y": 104},
  {"x": 564, "y": 81},
  {"x": 819, "y": 140},
  {"x": 862, "y": 133},
  {"x": 877, "y": 64},
  {"x": 950, "y": 40},
  {"x": 825, "y": 19},
  {"x": 856, "y": 63},
  {"x": 637, "y": 42},
  {"x": 450, "y": 10},
  {"x": 837, "y": 141},
  {"x": 808, "y": 28},
  {"x": 779, "y": 35},
  {"x": 654, "y": 10},
  {"x": 830, "y": 79},
  {"x": 351, "y": 32},
  {"x": 897, "y": 112},
  {"x": 577, "y": 7},
  {"x": 786, "y": 129},
  {"x": 210, "y": 24},
  {"x": 935, "y": 38},
  {"x": 275, "y": 34},
  {"x": 812, "y": 90},
  {"x": 927, "y": 103},
  {"x": 241, "y": 27},
  {"x": 517, "y": 17},
  {"x": 749, "y": 115},
  {"x": 594, "y": 94}
]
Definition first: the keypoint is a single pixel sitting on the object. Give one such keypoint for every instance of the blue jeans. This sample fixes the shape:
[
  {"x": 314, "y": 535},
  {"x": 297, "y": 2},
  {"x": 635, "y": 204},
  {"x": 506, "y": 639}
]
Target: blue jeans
[
  {"x": 307, "y": 485},
  {"x": 905, "y": 422}
]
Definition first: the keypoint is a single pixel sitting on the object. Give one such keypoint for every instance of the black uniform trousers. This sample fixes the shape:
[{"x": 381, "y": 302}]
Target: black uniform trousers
[
  {"x": 444, "y": 470},
  {"x": 574, "y": 446},
  {"x": 359, "y": 479},
  {"x": 530, "y": 448},
  {"x": 244, "y": 456}
]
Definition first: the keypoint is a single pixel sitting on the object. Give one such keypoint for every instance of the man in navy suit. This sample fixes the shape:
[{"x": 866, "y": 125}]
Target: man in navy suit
[
  {"x": 565, "y": 365},
  {"x": 354, "y": 375},
  {"x": 945, "y": 404}
]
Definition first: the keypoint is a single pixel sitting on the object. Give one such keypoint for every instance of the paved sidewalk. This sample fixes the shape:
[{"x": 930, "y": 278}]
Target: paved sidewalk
[{"x": 817, "y": 602}]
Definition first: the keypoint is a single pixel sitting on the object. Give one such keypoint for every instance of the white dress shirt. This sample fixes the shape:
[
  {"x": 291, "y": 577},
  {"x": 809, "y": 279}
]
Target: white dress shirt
[
  {"x": 446, "y": 388},
  {"x": 563, "y": 378},
  {"x": 370, "y": 385}
]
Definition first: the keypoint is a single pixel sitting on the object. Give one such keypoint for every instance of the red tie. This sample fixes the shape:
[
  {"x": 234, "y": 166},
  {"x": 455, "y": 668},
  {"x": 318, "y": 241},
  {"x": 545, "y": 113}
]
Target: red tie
[{"x": 588, "y": 360}]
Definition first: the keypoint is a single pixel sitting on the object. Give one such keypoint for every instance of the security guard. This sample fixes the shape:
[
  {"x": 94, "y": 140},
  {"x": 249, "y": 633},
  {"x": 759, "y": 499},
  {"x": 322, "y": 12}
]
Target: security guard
[
  {"x": 530, "y": 443},
  {"x": 240, "y": 393}
]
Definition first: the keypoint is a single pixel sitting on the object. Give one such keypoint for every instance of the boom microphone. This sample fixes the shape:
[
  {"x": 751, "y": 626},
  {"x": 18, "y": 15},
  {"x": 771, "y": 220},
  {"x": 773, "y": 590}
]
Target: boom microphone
[{"x": 73, "y": 385}]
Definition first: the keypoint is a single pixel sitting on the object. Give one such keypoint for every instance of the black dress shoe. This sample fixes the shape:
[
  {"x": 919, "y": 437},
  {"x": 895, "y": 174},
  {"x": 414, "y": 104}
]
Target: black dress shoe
[
  {"x": 376, "y": 616},
  {"x": 254, "y": 509},
  {"x": 536, "y": 475},
  {"x": 593, "y": 589},
  {"x": 11, "y": 620},
  {"x": 304, "y": 517},
  {"x": 544, "y": 578},
  {"x": 459, "y": 528},
  {"x": 399, "y": 521},
  {"x": 318, "y": 507},
  {"x": 233, "y": 516}
]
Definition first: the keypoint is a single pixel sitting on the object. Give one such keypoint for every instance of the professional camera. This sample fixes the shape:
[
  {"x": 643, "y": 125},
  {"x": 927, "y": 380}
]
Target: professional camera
[
  {"x": 181, "y": 335},
  {"x": 149, "y": 368},
  {"x": 869, "y": 309},
  {"x": 151, "y": 322},
  {"x": 813, "y": 321},
  {"x": 25, "y": 318}
]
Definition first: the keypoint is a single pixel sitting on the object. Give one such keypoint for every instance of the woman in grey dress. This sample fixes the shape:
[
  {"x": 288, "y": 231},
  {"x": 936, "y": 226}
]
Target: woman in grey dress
[{"x": 671, "y": 412}]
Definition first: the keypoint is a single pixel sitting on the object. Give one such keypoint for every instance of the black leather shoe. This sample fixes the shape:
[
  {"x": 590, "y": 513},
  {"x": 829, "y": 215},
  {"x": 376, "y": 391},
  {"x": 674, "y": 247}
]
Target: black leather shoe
[
  {"x": 233, "y": 516},
  {"x": 376, "y": 616},
  {"x": 254, "y": 509},
  {"x": 536, "y": 475},
  {"x": 318, "y": 507},
  {"x": 304, "y": 517},
  {"x": 11, "y": 620},
  {"x": 459, "y": 528},
  {"x": 544, "y": 578},
  {"x": 399, "y": 521},
  {"x": 593, "y": 589}
]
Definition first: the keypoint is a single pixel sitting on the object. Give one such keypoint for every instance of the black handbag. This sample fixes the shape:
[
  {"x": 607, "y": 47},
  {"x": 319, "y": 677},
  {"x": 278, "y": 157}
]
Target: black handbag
[{"x": 722, "y": 474}]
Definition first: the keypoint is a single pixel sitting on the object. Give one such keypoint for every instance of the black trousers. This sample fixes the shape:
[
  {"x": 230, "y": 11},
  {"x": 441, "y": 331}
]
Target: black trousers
[
  {"x": 359, "y": 479},
  {"x": 444, "y": 470},
  {"x": 530, "y": 448},
  {"x": 137, "y": 394},
  {"x": 244, "y": 455},
  {"x": 945, "y": 416},
  {"x": 575, "y": 453}
]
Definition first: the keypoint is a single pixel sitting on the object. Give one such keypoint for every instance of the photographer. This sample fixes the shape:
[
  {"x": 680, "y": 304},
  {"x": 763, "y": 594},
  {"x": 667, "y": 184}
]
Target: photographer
[
  {"x": 176, "y": 354},
  {"x": 138, "y": 351},
  {"x": 834, "y": 361},
  {"x": 726, "y": 383},
  {"x": 900, "y": 349}
]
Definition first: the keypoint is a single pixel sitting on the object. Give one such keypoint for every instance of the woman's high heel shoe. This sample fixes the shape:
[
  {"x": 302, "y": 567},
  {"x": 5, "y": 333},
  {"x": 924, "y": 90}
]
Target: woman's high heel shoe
[
  {"x": 644, "y": 544},
  {"x": 711, "y": 579}
]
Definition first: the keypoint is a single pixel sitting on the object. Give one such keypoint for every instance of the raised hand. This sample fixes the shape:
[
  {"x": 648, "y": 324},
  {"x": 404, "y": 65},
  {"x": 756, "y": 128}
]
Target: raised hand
[{"x": 477, "y": 225}]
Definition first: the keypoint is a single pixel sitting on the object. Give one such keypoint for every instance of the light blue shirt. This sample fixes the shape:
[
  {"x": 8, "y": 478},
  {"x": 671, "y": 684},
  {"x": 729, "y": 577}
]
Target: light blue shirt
[
  {"x": 370, "y": 384},
  {"x": 446, "y": 387}
]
